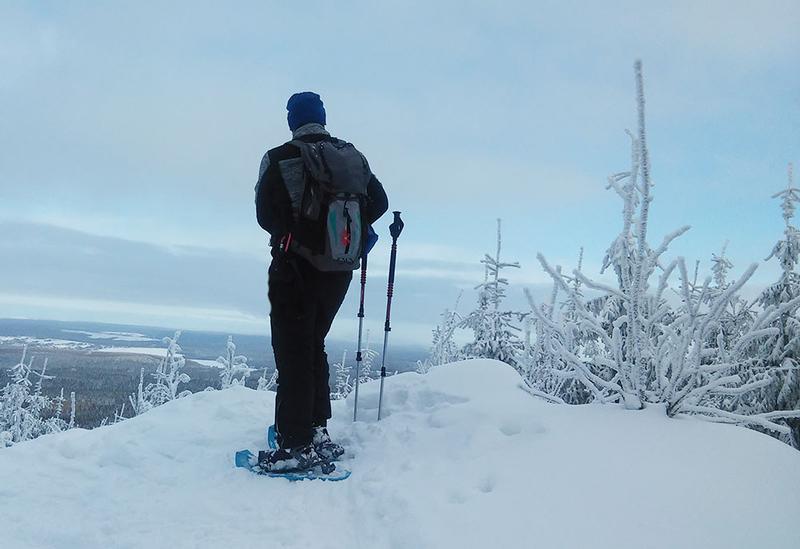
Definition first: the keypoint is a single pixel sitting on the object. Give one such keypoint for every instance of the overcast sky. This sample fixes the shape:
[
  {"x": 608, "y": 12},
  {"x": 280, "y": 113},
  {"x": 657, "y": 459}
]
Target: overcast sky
[{"x": 131, "y": 135}]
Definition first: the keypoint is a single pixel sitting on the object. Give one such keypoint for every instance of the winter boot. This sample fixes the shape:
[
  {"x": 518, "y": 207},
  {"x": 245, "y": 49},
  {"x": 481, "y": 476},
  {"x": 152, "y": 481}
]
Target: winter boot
[
  {"x": 289, "y": 460},
  {"x": 325, "y": 447}
]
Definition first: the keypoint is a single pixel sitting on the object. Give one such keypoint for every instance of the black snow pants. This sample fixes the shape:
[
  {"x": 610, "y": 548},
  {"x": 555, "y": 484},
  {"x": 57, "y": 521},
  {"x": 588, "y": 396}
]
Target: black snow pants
[{"x": 304, "y": 302}]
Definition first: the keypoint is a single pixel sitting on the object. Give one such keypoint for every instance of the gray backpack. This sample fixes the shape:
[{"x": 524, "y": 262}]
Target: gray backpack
[{"x": 328, "y": 189}]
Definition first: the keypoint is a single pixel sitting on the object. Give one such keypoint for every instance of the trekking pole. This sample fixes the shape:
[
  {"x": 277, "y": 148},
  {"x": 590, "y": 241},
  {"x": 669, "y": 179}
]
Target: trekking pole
[
  {"x": 394, "y": 229},
  {"x": 359, "y": 358}
]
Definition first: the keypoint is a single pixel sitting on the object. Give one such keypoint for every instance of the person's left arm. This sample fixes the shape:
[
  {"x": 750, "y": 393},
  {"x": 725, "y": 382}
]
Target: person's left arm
[{"x": 273, "y": 205}]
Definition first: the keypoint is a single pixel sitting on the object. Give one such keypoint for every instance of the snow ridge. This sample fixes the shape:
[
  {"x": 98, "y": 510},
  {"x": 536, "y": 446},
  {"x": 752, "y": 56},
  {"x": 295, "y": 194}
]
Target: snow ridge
[{"x": 464, "y": 458}]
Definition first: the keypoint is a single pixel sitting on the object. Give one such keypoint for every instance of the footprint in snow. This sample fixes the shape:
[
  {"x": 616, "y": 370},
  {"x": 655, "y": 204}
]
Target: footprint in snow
[
  {"x": 486, "y": 485},
  {"x": 457, "y": 498},
  {"x": 510, "y": 428}
]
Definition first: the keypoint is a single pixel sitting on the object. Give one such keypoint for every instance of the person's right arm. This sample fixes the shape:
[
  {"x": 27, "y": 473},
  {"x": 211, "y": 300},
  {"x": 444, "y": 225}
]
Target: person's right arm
[{"x": 377, "y": 201}]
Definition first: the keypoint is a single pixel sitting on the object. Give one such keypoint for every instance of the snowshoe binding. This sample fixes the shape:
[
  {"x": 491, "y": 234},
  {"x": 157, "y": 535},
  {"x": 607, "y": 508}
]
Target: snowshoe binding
[
  {"x": 292, "y": 460},
  {"x": 325, "y": 447}
]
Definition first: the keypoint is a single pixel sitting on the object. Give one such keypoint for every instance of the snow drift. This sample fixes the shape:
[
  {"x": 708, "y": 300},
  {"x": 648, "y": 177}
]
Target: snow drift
[{"x": 464, "y": 458}]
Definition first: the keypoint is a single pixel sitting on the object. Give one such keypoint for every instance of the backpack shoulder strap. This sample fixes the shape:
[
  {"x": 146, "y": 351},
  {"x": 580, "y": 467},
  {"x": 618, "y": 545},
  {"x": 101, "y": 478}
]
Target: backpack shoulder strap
[
  {"x": 313, "y": 160},
  {"x": 299, "y": 143}
]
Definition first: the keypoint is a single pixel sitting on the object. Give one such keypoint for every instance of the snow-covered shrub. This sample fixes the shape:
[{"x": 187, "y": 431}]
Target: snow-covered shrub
[
  {"x": 25, "y": 411},
  {"x": 232, "y": 365}
]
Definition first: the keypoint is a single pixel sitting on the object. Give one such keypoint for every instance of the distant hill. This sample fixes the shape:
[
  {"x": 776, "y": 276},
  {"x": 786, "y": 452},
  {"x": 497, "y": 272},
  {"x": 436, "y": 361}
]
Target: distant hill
[
  {"x": 101, "y": 363},
  {"x": 51, "y": 334}
]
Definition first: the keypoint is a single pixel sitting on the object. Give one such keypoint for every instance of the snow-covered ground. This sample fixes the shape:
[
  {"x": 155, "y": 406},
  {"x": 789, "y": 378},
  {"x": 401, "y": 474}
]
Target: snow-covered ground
[
  {"x": 150, "y": 351},
  {"x": 20, "y": 341},
  {"x": 204, "y": 362},
  {"x": 154, "y": 351},
  {"x": 114, "y": 336},
  {"x": 464, "y": 458},
  {"x": 56, "y": 343}
]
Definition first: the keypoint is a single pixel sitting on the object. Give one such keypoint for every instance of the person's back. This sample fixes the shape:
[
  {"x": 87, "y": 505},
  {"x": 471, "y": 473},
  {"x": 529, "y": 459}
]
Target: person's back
[{"x": 305, "y": 299}]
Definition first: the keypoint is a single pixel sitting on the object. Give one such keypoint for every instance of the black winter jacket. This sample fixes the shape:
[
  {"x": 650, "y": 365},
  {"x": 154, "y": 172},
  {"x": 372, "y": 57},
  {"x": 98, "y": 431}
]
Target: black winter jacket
[{"x": 273, "y": 205}]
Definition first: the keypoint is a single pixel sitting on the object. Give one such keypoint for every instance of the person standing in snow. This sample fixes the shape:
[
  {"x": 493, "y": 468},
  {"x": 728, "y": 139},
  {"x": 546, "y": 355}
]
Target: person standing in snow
[{"x": 316, "y": 197}]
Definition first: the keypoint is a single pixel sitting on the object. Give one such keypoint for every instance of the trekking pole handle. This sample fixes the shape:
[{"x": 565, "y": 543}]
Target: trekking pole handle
[
  {"x": 397, "y": 226},
  {"x": 394, "y": 229},
  {"x": 390, "y": 287},
  {"x": 359, "y": 355},
  {"x": 363, "y": 285}
]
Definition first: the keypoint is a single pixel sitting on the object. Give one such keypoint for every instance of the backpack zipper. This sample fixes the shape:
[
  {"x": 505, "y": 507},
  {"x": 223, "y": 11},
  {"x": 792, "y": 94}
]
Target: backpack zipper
[{"x": 348, "y": 235}]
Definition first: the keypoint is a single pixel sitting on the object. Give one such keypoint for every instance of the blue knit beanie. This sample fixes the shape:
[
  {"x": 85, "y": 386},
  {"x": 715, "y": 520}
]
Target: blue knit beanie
[{"x": 305, "y": 108}]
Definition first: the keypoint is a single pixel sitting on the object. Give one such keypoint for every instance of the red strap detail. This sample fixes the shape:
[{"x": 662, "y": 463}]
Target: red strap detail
[{"x": 286, "y": 242}]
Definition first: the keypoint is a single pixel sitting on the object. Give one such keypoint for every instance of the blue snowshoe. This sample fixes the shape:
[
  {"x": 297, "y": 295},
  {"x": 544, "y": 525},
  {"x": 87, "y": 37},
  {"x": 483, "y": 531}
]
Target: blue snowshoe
[
  {"x": 294, "y": 464},
  {"x": 322, "y": 471}
]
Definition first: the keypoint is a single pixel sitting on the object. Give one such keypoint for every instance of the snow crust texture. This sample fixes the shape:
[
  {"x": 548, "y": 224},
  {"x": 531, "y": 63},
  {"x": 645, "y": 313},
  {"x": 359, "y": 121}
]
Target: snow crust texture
[{"x": 463, "y": 458}]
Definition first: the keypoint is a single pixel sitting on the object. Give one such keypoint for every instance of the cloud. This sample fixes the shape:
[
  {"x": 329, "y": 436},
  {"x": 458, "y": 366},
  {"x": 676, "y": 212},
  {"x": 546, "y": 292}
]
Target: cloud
[
  {"x": 50, "y": 260},
  {"x": 128, "y": 312},
  {"x": 140, "y": 109},
  {"x": 60, "y": 273},
  {"x": 145, "y": 123}
]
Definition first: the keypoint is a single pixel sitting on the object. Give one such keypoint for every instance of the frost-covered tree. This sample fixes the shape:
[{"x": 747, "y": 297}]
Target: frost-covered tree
[
  {"x": 544, "y": 369},
  {"x": 344, "y": 375},
  {"x": 119, "y": 415},
  {"x": 780, "y": 355},
  {"x": 232, "y": 365},
  {"x": 630, "y": 345},
  {"x": 368, "y": 356},
  {"x": 444, "y": 349},
  {"x": 539, "y": 357},
  {"x": 267, "y": 383},
  {"x": 738, "y": 313},
  {"x": 620, "y": 323},
  {"x": 720, "y": 266},
  {"x": 342, "y": 382},
  {"x": 139, "y": 402},
  {"x": 168, "y": 378},
  {"x": 630, "y": 305},
  {"x": 736, "y": 317},
  {"x": 25, "y": 411},
  {"x": 495, "y": 334}
]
